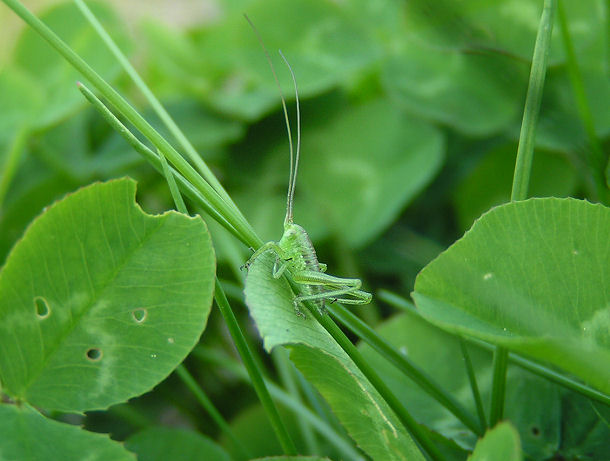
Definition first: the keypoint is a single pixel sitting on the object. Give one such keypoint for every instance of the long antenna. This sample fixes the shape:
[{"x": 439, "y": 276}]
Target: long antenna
[
  {"x": 288, "y": 218},
  {"x": 293, "y": 180}
]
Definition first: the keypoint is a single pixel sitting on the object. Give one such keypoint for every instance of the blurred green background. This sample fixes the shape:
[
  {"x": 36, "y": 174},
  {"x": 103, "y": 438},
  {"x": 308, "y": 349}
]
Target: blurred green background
[{"x": 411, "y": 114}]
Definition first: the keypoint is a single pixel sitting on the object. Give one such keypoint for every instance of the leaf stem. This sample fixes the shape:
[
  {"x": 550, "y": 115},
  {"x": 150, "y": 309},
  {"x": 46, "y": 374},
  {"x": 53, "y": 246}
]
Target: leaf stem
[
  {"x": 253, "y": 371},
  {"x": 476, "y": 395},
  {"x": 400, "y": 361}
]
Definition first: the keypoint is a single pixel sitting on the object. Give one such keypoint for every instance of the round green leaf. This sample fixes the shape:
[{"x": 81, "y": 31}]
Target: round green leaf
[
  {"x": 454, "y": 88},
  {"x": 99, "y": 301},
  {"x": 362, "y": 167},
  {"x": 324, "y": 46},
  {"x": 27, "y": 435},
  {"x": 164, "y": 443},
  {"x": 501, "y": 442},
  {"x": 365, "y": 415},
  {"x": 531, "y": 276}
]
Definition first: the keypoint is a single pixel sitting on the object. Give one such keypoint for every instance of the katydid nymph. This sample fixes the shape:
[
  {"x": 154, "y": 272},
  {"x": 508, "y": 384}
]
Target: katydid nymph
[{"x": 295, "y": 254}]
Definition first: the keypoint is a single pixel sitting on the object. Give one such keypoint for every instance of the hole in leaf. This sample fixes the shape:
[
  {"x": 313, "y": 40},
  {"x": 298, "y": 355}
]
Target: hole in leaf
[
  {"x": 94, "y": 354},
  {"x": 139, "y": 315},
  {"x": 535, "y": 431},
  {"x": 43, "y": 310}
]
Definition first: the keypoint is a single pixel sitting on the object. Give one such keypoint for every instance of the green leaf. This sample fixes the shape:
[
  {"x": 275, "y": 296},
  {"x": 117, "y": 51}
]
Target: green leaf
[
  {"x": 530, "y": 276},
  {"x": 164, "y": 443},
  {"x": 454, "y": 88},
  {"x": 507, "y": 27},
  {"x": 324, "y": 46},
  {"x": 27, "y": 435},
  {"x": 99, "y": 302},
  {"x": 365, "y": 415},
  {"x": 501, "y": 442},
  {"x": 362, "y": 166},
  {"x": 53, "y": 75}
]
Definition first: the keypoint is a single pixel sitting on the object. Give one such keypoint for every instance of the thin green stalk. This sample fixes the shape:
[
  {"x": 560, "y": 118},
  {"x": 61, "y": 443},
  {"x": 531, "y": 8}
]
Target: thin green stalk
[
  {"x": 167, "y": 120},
  {"x": 476, "y": 395},
  {"x": 154, "y": 159},
  {"x": 171, "y": 182},
  {"x": 521, "y": 178},
  {"x": 418, "y": 434},
  {"x": 342, "y": 443},
  {"x": 15, "y": 152},
  {"x": 255, "y": 375},
  {"x": 209, "y": 407},
  {"x": 597, "y": 159},
  {"x": 498, "y": 386},
  {"x": 396, "y": 301},
  {"x": 228, "y": 211},
  {"x": 285, "y": 372},
  {"x": 414, "y": 372},
  {"x": 527, "y": 136}
]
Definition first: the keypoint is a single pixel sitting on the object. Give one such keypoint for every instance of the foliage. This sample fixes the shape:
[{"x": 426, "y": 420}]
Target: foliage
[{"x": 411, "y": 121}]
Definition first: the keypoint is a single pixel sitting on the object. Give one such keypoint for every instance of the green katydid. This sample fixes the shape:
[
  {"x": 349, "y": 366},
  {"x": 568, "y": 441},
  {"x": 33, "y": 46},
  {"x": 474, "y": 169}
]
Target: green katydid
[{"x": 295, "y": 254}]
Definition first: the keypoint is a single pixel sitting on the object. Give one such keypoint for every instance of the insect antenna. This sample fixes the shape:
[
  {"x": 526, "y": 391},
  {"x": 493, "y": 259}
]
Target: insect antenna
[
  {"x": 288, "y": 218},
  {"x": 293, "y": 179}
]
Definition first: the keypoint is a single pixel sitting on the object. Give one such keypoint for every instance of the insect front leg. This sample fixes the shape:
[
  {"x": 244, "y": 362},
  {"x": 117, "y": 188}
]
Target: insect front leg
[{"x": 273, "y": 246}]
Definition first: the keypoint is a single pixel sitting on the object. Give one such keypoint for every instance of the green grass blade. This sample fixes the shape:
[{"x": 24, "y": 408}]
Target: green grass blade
[
  {"x": 527, "y": 136},
  {"x": 413, "y": 371},
  {"x": 476, "y": 395},
  {"x": 230, "y": 213},
  {"x": 173, "y": 188},
  {"x": 254, "y": 372},
  {"x": 154, "y": 159},
  {"x": 523, "y": 167},
  {"x": 165, "y": 117}
]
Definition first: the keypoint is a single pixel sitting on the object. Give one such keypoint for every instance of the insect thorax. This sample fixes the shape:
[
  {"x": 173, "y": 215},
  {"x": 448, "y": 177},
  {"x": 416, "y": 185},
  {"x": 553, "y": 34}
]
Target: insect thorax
[{"x": 298, "y": 249}]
